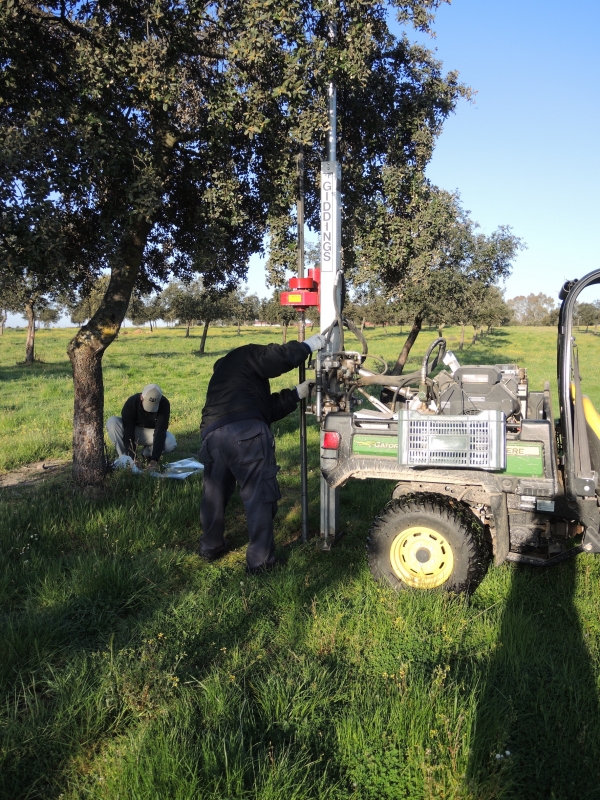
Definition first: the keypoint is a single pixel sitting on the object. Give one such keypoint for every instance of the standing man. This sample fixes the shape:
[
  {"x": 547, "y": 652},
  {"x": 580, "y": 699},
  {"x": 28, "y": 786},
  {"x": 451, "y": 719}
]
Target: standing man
[
  {"x": 144, "y": 421},
  {"x": 238, "y": 446}
]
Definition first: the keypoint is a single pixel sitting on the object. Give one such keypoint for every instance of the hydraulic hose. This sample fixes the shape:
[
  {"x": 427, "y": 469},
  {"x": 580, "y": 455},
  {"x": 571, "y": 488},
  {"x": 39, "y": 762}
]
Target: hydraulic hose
[
  {"x": 339, "y": 278},
  {"x": 395, "y": 382},
  {"x": 359, "y": 335},
  {"x": 441, "y": 343},
  {"x": 389, "y": 380}
]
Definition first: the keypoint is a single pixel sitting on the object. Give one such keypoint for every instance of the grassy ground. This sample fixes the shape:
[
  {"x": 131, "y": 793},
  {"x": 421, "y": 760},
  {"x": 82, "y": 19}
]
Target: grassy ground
[{"x": 131, "y": 669}]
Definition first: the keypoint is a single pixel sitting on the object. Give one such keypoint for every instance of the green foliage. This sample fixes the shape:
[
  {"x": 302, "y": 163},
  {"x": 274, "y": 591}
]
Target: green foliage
[
  {"x": 587, "y": 314},
  {"x": 487, "y": 307},
  {"x": 429, "y": 255},
  {"x": 88, "y": 302},
  {"x": 49, "y": 315},
  {"x": 273, "y": 312},
  {"x": 239, "y": 307},
  {"x": 145, "y": 309},
  {"x": 420, "y": 253}
]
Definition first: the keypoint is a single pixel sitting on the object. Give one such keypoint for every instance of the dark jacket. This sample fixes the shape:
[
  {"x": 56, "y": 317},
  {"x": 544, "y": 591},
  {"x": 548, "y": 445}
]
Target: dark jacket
[
  {"x": 239, "y": 386},
  {"x": 133, "y": 415}
]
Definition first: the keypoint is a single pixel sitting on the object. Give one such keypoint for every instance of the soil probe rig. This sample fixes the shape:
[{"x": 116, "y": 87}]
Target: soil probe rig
[{"x": 482, "y": 468}]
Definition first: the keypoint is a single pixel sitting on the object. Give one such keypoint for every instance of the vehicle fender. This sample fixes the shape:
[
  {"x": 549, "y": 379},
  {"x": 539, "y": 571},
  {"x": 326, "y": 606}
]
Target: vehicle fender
[{"x": 499, "y": 529}]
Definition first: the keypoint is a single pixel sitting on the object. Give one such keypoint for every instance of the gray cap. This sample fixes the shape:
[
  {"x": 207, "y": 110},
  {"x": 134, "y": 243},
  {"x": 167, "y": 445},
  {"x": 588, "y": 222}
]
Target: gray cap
[{"x": 151, "y": 395}]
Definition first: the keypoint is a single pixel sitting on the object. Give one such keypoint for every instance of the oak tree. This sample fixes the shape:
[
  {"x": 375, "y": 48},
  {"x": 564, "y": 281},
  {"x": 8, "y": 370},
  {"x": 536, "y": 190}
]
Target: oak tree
[
  {"x": 157, "y": 137},
  {"x": 426, "y": 254}
]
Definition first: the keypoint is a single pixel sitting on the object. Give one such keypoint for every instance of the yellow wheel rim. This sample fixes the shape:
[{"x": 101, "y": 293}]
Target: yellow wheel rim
[{"x": 421, "y": 557}]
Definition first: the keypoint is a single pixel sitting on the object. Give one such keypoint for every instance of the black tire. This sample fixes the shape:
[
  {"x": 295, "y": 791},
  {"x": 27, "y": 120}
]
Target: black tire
[{"x": 437, "y": 535}]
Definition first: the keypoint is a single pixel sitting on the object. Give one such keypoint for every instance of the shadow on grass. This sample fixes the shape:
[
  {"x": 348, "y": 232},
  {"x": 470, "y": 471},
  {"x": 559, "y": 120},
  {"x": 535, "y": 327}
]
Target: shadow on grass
[
  {"x": 61, "y": 369},
  {"x": 537, "y": 730},
  {"x": 79, "y": 613},
  {"x": 211, "y": 353}
]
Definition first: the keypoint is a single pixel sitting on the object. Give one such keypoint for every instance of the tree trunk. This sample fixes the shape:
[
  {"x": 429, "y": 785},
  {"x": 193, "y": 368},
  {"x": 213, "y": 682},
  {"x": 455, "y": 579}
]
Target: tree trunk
[
  {"x": 462, "y": 336},
  {"x": 410, "y": 340},
  {"x": 187, "y": 330},
  {"x": 474, "y": 335},
  {"x": 285, "y": 327},
  {"x": 440, "y": 329},
  {"x": 85, "y": 351},
  {"x": 203, "y": 340},
  {"x": 3, "y": 318},
  {"x": 30, "y": 344},
  {"x": 362, "y": 324},
  {"x": 238, "y": 327}
]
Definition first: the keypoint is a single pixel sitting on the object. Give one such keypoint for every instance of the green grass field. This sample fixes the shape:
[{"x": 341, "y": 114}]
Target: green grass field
[{"x": 131, "y": 669}]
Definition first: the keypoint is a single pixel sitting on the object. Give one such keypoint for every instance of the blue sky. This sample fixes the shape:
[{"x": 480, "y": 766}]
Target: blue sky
[{"x": 526, "y": 151}]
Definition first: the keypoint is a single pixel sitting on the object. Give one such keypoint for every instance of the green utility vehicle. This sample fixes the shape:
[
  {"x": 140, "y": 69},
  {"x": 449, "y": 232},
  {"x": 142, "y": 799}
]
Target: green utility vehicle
[{"x": 482, "y": 468}]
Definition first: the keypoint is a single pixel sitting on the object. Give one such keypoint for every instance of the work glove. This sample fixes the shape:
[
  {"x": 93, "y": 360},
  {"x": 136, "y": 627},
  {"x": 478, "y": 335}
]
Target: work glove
[
  {"x": 316, "y": 342},
  {"x": 303, "y": 389}
]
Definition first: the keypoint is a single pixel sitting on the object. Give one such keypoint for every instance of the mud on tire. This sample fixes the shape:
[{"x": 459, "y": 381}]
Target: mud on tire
[{"x": 425, "y": 542}]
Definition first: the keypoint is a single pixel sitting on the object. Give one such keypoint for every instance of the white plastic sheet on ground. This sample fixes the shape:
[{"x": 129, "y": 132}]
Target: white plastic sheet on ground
[
  {"x": 126, "y": 462},
  {"x": 180, "y": 470}
]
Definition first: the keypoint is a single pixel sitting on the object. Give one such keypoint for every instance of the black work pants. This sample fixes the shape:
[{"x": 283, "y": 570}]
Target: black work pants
[{"x": 242, "y": 452}]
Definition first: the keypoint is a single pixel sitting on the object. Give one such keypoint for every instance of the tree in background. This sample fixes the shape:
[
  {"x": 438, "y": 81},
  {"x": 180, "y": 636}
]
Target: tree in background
[
  {"x": 3, "y": 318},
  {"x": 25, "y": 294},
  {"x": 370, "y": 305},
  {"x": 191, "y": 303},
  {"x": 214, "y": 306},
  {"x": 143, "y": 309},
  {"x": 275, "y": 314},
  {"x": 532, "y": 309},
  {"x": 154, "y": 309},
  {"x": 241, "y": 308},
  {"x": 489, "y": 310},
  {"x": 49, "y": 315},
  {"x": 183, "y": 302},
  {"x": 88, "y": 300},
  {"x": 586, "y": 314},
  {"x": 424, "y": 252}
]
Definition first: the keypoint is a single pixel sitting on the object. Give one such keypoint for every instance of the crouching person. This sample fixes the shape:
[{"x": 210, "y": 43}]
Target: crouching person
[
  {"x": 238, "y": 446},
  {"x": 143, "y": 424}
]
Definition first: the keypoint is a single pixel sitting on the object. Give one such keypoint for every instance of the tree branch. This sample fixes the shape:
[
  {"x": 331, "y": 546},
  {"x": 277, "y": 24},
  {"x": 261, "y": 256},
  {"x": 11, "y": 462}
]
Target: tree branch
[{"x": 63, "y": 19}]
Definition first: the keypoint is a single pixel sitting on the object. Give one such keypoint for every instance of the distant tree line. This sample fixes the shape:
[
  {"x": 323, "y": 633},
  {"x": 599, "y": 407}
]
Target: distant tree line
[
  {"x": 541, "y": 309},
  {"x": 180, "y": 303}
]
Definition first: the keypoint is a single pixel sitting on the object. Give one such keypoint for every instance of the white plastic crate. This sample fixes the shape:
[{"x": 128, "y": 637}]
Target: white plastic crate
[{"x": 475, "y": 441}]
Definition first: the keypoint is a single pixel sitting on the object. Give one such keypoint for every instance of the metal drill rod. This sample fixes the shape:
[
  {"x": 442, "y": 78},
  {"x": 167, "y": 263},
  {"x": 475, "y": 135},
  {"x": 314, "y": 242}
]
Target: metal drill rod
[{"x": 301, "y": 368}]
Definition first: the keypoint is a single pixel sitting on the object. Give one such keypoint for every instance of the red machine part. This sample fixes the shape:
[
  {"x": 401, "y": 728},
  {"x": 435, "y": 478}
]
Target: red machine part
[
  {"x": 304, "y": 292},
  {"x": 331, "y": 440}
]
